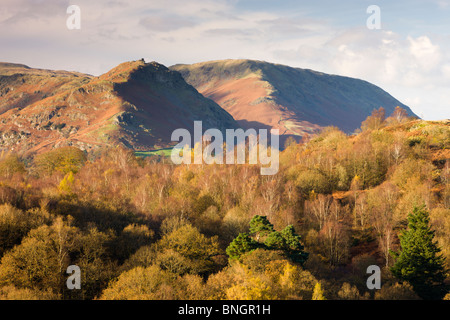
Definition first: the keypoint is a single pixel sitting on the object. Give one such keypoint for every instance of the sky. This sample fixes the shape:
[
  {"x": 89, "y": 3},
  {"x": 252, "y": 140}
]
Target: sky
[{"x": 408, "y": 56}]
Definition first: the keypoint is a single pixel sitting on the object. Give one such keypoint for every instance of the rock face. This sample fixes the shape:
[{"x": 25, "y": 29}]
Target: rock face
[
  {"x": 136, "y": 104},
  {"x": 295, "y": 101}
]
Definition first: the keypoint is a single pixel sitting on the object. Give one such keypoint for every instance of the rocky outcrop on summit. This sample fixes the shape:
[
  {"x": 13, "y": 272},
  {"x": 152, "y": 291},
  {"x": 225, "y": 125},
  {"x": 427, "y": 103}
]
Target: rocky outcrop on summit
[
  {"x": 295, "y": 101},
  {"x": 136, "y": 104}
]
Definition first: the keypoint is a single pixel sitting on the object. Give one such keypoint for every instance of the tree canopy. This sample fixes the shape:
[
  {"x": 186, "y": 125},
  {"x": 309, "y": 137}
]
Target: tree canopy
[{"x": 419, "y": 261}]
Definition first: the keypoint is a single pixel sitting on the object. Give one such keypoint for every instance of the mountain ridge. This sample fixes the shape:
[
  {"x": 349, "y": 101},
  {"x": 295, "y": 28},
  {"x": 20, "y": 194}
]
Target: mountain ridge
[
  {"x": 296, "y": 101},
  {"x": 135, "y": 104},
  {"x": 138, "y": 104}
]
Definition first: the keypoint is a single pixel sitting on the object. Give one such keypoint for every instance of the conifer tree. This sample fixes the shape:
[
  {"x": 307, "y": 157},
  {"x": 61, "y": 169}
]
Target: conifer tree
[
  {"x": 240, "y": 245},
  {"x": 419, "y": 262},
  {"x": 260, "y": 226},
  {"x": 286, "y": 241},
  {"x": 275, "y": 241},
  {"x": 294, "y": 248}
]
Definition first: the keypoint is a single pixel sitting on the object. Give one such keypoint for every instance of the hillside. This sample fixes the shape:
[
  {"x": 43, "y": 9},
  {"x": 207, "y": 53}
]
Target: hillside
[
  {"x": 145, "y": 229},
  {"x": 21, "y": 86},
  {"x": 295, "y": 101},
  {"x": 136, "y": 104}
]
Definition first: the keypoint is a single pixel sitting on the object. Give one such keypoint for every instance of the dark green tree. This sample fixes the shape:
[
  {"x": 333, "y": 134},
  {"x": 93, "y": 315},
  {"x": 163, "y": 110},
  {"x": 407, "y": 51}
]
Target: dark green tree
[
  {"x": 419, "y": 261},
  {"x": 294, "y": 248},
  {"x": 240, "y": 245},
  {"x": 260, "y": 226},
  {"x": 287, "y": 242},
  {"x": 275, "y": 241}
]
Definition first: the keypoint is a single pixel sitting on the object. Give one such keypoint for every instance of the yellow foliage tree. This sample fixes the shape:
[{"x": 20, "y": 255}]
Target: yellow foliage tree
[
  {"x": 318, "y": 292},
  {"x": 251, "y": 288},
  {"x": 66, "y": 184}
]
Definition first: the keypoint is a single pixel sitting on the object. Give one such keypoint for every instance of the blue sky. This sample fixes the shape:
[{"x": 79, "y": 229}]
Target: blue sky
[{"x": 409, "y": 56}]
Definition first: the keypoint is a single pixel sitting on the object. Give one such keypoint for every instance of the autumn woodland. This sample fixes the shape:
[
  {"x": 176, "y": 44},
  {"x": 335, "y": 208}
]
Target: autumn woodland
[{"x": 144, "y": 228}]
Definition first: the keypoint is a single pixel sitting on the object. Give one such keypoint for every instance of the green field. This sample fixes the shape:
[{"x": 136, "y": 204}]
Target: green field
[{"x": 165, "y": 152}]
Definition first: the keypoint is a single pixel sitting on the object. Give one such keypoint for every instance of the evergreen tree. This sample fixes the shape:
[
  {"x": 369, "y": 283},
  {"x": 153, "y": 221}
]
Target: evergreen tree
[
  {"x": 275, "y": 241},
  {"x": 240, "y": 245},
  {"x": 286, "y": 241},
  {"x": 294, "y": 248},
  {"x": 260, "y": 226},
  {"x": 419, "y": 262}
]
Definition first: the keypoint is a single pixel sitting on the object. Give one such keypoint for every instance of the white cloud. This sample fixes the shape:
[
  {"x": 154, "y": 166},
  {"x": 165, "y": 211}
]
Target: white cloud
[
  {"x": 446, "y": 71},
  {"x": 414, "y": 68},
  {"x": 426, "y": 54}
]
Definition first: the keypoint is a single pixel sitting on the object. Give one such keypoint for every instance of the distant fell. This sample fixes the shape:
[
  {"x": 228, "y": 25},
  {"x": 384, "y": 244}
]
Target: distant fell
[
  {"x": 136, "y": 104},
  {"x": 295, "y": 101}
]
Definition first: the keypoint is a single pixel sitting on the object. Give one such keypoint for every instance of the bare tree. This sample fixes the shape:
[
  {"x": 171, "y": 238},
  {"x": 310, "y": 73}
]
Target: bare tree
[
  {"x": 382, "y": 201},
  {"x": 334, "y": 234},
  {"x": 319, "y": 208}
]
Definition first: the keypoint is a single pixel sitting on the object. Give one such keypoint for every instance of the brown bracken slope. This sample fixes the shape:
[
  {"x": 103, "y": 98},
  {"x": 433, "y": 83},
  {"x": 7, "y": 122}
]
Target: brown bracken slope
[
  {"x": 136, "y": 104},
  {"x": 295, "y": 101}
]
